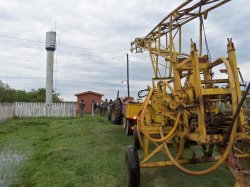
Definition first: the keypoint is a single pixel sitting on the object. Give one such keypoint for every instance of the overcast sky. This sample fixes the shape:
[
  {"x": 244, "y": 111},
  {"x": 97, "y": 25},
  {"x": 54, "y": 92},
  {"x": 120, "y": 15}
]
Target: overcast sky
[{"x": 93, "y": 38}]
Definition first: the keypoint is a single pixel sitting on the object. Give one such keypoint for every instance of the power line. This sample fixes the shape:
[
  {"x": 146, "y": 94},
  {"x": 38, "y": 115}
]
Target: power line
[
  {"x": 16, "y": 38},
  {"x": 64, "y": 45},
  {"x": 61, "y": 44}
]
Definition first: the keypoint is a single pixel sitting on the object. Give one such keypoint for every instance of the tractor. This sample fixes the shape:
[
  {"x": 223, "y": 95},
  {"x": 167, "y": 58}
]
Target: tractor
[{"x": 125, "y": 110}]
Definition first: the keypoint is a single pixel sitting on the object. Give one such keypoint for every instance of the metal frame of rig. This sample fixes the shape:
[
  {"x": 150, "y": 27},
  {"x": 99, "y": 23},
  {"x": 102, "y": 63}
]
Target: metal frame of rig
[{"x": 187, "y": 105}]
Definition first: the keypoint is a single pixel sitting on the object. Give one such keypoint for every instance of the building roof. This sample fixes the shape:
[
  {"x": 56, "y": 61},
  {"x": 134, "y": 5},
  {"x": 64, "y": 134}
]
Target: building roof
[{"x": 88, "y": 92}]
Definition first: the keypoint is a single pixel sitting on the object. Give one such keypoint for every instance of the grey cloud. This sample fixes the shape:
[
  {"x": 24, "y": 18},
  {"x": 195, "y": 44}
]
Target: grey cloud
[{"x": 103, "y": 30}]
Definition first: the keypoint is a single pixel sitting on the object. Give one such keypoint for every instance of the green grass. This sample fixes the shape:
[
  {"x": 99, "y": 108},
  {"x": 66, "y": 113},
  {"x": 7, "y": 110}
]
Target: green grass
[{"x": 83, "y": 152}]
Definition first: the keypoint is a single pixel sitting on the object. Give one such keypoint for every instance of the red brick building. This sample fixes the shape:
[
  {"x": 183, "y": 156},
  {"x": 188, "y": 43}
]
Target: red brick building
[{"x": 88, "y": 97}]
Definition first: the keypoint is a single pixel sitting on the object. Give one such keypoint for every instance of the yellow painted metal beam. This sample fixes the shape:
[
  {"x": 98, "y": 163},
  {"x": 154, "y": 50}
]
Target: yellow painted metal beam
[
  {"x": 215, "y": 91},
  {"x": 182, "y": 162}
]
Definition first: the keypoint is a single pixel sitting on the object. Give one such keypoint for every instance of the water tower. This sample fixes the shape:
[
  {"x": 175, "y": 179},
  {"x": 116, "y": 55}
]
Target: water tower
[{"x": 50, "y": 46}]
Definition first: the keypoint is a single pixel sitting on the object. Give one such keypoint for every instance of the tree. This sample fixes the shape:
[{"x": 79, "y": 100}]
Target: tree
[{"x": 8, "y": 94}]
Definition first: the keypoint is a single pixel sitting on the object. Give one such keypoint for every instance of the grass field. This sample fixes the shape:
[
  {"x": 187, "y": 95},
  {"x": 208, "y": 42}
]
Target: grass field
[{"x": 86, "y": 151}]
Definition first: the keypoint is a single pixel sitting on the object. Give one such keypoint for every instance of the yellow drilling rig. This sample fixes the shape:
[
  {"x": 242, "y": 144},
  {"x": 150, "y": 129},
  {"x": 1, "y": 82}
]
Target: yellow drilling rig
[{"x": 188, "y": 104}]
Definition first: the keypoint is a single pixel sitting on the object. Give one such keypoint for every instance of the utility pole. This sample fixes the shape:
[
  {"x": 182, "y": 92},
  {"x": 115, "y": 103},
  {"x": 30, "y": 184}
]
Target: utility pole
[{"x": 128, "y": 75}]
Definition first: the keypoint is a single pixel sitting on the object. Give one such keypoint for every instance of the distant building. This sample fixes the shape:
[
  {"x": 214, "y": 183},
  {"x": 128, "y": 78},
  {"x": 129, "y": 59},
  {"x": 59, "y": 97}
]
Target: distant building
[{"x": 88, "y": 97}]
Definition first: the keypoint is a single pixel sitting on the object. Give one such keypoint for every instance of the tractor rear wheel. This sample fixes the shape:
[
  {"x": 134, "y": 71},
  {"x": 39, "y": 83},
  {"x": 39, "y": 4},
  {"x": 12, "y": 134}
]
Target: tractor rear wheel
[
  {"x": 136, "y": 138},
  {"x": 116, "y": 112},
  {"x": 133, "y": 167}
]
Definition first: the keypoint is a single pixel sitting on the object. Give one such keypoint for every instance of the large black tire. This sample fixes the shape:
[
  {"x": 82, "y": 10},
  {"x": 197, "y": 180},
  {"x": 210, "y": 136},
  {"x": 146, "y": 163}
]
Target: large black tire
[
  {"x": 128, "y": 128},
  {"x": 116, "y": 112},
  {"x": 133, "y": 167},
  {"x": 136, "y": 138}
]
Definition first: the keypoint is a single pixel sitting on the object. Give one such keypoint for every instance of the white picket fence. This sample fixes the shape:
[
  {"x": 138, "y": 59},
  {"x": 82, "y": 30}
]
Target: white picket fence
[
  {"x": 30, "y": 110},
  {"x": 6, "y": 111},
  {"x": 57, "y": 110}
]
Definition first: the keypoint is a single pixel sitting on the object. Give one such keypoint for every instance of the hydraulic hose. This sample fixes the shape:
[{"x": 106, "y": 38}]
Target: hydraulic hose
[
  {"x": 162, "y": 139},
  {"x": 139, "y": 93},
  {"x": 139, "y": 134},
  {"x": 214, "y": 166},
  {"x": 138, "y": 119}
]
